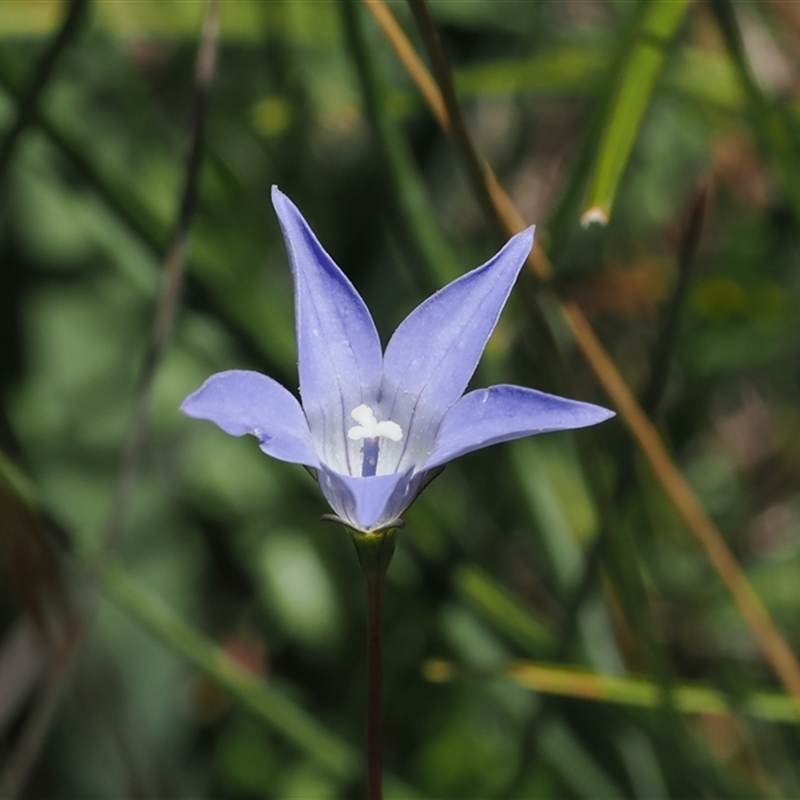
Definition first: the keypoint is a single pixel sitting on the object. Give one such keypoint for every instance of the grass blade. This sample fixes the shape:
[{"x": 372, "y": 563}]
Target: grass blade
[
  {"x": 688, "y": 698},
  {"x": 499, "y": 606},
  {"x": 640, "y": 72},
  {"x": 265, "y": 703}
]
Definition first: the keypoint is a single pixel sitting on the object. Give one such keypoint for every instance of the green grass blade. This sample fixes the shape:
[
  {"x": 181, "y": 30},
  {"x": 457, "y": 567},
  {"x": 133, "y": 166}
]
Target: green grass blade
[
  {"x": 264, "y": 702},
  {"x": 412, "y": 204},
  {"x": 641, "y": 692},
  {"x": 704, "y": 76},
  {"x": 499, "y": 607},
  {"x": 708, "y": 78},
  {"x": 19, "y": 483},
  {"x": 563, "y": 70},
  {"x": 639, "y": 74}
]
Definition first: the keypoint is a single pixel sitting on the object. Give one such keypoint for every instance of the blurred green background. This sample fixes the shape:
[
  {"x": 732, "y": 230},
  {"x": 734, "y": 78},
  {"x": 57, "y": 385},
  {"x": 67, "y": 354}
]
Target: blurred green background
[{"x": 560, "y": 549}]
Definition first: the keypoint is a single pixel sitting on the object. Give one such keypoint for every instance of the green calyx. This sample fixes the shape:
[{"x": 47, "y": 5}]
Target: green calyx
[{"x": 374, "y": 548}]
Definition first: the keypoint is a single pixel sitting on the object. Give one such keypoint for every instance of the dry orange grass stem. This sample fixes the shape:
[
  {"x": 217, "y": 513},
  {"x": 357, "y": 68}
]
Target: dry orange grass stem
[{"x": 769, "y": 639}]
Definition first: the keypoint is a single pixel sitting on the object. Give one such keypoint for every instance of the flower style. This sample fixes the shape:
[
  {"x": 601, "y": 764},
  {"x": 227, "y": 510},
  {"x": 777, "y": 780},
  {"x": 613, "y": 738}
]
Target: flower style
[{"x": 377, "y": 427}]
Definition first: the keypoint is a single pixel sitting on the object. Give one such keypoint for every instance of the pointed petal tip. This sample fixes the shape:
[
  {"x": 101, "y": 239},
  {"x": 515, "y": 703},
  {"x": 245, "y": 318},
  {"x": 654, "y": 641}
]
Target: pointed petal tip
[
  {"x": 607, "y": 415},
  {"x": 292, "y": 221},
  {"x": 528, "y": 233},
  {"x": 517, "y": 249},
  {"x": 524, "y": 238},
  {"x": 589, "y": 414},
  {"x": 436, "y": 349},
  {"x": 189, "y": 404},
  {"x": 279, "y": 199},
  {"x": 288, "y": 212}
]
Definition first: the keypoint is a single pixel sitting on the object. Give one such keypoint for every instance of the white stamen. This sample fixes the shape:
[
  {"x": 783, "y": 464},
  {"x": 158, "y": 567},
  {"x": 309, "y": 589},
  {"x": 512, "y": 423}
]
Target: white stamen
[{"x": 369, "y": 428}]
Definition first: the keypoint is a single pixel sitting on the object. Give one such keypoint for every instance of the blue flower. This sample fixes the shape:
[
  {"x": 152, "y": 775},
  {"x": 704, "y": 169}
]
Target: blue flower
[{"x": 375, "y": 426}]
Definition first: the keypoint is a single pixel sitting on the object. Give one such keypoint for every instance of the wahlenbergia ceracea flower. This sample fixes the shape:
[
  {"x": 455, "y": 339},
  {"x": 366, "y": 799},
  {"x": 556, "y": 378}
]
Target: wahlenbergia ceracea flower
[{"x": 377, "y": 426}]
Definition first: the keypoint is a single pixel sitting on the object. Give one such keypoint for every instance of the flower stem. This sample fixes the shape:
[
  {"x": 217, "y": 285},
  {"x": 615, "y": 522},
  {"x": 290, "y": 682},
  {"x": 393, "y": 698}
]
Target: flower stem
[
  {"x": 374, "y": 551},
  {"x": 375, "y": 586}
]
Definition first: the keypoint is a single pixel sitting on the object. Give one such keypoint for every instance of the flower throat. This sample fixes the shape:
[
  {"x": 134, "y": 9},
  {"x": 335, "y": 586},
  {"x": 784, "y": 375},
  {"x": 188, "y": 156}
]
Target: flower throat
[{"x": 369, "y": 430}]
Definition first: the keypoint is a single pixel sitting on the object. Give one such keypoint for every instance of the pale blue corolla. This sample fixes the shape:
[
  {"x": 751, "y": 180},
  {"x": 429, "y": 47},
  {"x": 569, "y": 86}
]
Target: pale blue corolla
[{"x": 376, "y": 426}]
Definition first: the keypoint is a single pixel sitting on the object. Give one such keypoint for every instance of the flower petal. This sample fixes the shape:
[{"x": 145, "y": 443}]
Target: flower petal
[
  {"x": 368, "y": 503},
  {"x": 339, "y": 352},
  {"x": 433, "y": 354},
  {"x": 504, "y": 412},
  {"x": 240, "y": 402}
]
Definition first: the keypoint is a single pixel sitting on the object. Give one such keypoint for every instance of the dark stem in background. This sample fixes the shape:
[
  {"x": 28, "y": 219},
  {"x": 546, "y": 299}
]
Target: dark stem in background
[
  {"x": 651, "y": 399},
  {"x": 26, "y": 109},
  {"x": 480, "y": 176},
  {"x": 375, "y": 551},
  {"x": 775, "y": 129},
  {"x": 136, "y": 217},
  {"x": 429, "y": 257},
  {"x": 33, "y": 735},
  {"x": 172, "y": 281},
  {"x": 476, "y": 171}
]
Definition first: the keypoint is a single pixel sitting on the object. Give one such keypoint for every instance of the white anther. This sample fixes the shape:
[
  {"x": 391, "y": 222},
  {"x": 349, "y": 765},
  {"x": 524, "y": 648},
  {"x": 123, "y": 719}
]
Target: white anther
[{"x": 369, "y": 428}]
